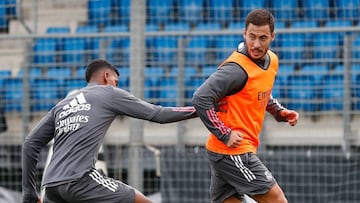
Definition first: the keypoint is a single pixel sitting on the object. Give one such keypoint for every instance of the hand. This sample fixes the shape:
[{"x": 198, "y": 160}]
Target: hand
[
  {"x": 290, "y": 115},
  {"x": 31, "y": 199},
  {"x": 235, "y": 139}
]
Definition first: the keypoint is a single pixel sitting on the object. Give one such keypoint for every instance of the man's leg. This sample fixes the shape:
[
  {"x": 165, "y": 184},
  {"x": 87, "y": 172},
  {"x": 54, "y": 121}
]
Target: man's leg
[{"x": 275, "y": 194}]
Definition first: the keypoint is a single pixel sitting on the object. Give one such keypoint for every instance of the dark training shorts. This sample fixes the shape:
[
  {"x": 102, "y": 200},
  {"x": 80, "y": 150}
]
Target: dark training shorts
[
  {"x": 236, "y": 175},
  {"x": 92, "y": 187}
]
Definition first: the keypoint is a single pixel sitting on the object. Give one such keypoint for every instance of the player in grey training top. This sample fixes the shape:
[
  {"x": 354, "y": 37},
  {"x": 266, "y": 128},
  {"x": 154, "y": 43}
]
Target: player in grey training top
[{"x": 78, "y": 125}]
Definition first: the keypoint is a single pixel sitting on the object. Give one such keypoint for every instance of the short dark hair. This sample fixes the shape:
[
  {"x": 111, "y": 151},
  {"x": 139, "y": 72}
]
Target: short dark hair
[
  {"x": 97, "y": 65},
  {"x": 260, "y": 17}
]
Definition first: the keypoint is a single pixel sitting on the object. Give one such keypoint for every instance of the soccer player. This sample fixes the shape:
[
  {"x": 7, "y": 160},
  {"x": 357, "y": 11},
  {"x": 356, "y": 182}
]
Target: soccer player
[
  {"x": 232, "y": 104},
  {"x": 78, "y": 125}
]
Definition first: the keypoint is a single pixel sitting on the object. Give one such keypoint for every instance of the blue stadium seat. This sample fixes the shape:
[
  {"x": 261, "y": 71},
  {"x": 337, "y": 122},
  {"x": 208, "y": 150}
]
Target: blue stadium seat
[
  {"x": 11, "y": 9},
  {"x": 347, "y": 9},
  {"x": 326, "y": 46},
  {"x": 188, "y": 72},
  {"x": 177, "y": 27},
  {"x": 236, "y": 26},
  {"x": 278, "y": 90},
  {"x": 357, "y": 93},
  {"x": 99, "y": 12},
  {"x": 118, "y": 49},
  {"x": 13, "y": 94},
  {"x": 284, "y": 71},
  {"x": 197, "y": 50},
  {"x": 80, "y": 72},
  {"x": 332, "y": 92},
  {"x": 92, "y": 45},
  {"x": 71, "y": 84},
  {"x": 225, "y": 45},
  {"x": 45, "y": 52},
  {"x": 59, "y": 74},
  {"x": 159, "y": 11},
  {"x": 316, "y": 10},
  {"x": 4, "y": 23},
  {"x": 208, "y": 26},
  {"x": 58, "y": 30},
  {"x": 304, "y": 24},
  {"x": 33, "y": 73},
  {"x": 247, "y": 6},
  {"x": 164, "y": 50},
  {"x": 121, "y": 11},
  {"x": 124, "y": 78},
  {"x": 221, "y": 11},
  {"x": 285, "y": 10},
  {"x": 356, "y": 48},
  {"x": 317, "y": 71},
  {"x": 338, "y": 23},
  {"x": 192, "y": 85},
  {"x": 168, "y": 91},
  {"x": 301, "y": 92},
  {"x": 5, "y": 73},
  {"x": 190, "y": 11},
  {"x": 44, "y": 93},
  {"x": 152, "y": 79},
  {"x": 206, "y": 71},
  {"x": 292, "y": 47},
  {"x": 74, "y": 52}
]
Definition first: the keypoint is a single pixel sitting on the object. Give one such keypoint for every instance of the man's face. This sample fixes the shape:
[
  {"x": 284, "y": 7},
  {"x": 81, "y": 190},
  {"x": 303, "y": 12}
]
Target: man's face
[{"x": 258, "y": 39}]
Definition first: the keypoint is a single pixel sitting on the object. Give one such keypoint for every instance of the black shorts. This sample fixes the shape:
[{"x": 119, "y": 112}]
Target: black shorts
[
  {"x": 237, "y": 175},
  {"x": 92, "y": 187}
]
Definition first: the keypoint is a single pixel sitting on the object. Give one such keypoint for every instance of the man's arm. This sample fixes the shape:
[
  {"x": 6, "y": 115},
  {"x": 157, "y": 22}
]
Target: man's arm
[
  {"x": 228, "y": 80},
  {"x": 42, "y": 133},
  {"x": 124, "y": 103},
  {"x": 281, "y": 113}
]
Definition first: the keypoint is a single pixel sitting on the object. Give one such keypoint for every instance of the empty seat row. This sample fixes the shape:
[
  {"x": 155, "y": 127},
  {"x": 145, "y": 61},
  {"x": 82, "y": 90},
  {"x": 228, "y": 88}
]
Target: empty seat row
[{"x": 104, "y": 13}]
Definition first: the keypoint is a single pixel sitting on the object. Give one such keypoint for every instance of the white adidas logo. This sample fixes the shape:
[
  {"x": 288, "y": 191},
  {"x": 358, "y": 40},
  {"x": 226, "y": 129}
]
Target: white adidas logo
[
  {"x": 79, "y": 99},
  {"x": 77, "y": 104}
]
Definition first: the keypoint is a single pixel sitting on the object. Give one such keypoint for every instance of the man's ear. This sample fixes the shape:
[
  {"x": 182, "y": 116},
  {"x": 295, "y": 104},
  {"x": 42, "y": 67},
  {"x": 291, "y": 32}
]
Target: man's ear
[{"x": 106, "y": 76}]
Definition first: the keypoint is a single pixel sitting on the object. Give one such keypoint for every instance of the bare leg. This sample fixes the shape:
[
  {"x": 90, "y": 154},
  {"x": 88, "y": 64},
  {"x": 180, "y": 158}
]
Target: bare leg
[
  {"x": 232, "y": 200},
  {"x": 275, "y": 194},
  {"x": 140, "y": 198}
]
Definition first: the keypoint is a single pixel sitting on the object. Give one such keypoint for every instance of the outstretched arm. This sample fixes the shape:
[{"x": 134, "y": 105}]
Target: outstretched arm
[
  {"x": 33, "y": 143},
  {"x": 281, "y": 113}
]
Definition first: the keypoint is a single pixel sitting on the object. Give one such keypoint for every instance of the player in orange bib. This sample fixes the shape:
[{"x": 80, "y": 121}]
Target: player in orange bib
[{"x": 232, "y": 104}]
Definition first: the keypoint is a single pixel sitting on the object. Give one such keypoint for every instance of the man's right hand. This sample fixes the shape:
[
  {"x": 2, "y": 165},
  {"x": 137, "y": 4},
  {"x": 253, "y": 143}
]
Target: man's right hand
[{"x": 235, "y": 139}]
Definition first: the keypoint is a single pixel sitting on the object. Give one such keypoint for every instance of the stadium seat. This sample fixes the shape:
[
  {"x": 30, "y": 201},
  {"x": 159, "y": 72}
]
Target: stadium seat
[
  {"x": 121, "y": 12},
  {"x": 168, "y": 91},
  {"x": 4, "y": 23},
  {"x": 74, "y": 50},
  {"x": 239, "y": 26},
  {"x": 44, "y": 93},
  {"x": 356, "y": 48},
  {"x": 278, "y": 90},
  {"x": 316, "y": 10},
  {"x": 317, "y": 71},
  {"x": 5, "y": 73},
  {"x": 292, "y": 47},
  {"x": 247, "y": 6},
  {"x": 285, "y": 10},
  {"x": 198, "y": 51},
  {"x": 213, "y": 26},
  {"x": 332, "y": 92},
  {"x": 304, "y": 24},
  {"x": 190, "y": 11},
  {"x": 357, "y": 93},
  {"x": 347, "y": 9},
  {"x": 118, "y": 49},
  {"x": 124, "y": 78},
  {"x": 58, "y": 30},
  {"x": 191, "y": 86},
  {"x": 225, "y": 45},
  {"x": 326, "y": 47},
  {"x": 159, "y": 11},
  {"x": 33, "y": 73},
  {"x": 220, "y": 11},
  {"x": 92, "y": 44},
  {"x": 206, "y": 71},
  {"x": 13, "y": 94},
  {"x": 45, "y": 52},
  {"x": 152, "y": 79},
  {"x": 338, "y": 23},
  {"x": 99, "y": 12},
  {"x": 177, "y": 27},
  {"x": 284, "y": 71},
  {"x": 301, "y": 93},
  {"x": 188, "y": 72},
  {"x": 59, "y": 74},
  {"x": 71, "y": 84},
  {"x": 164, "y": 50}
]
